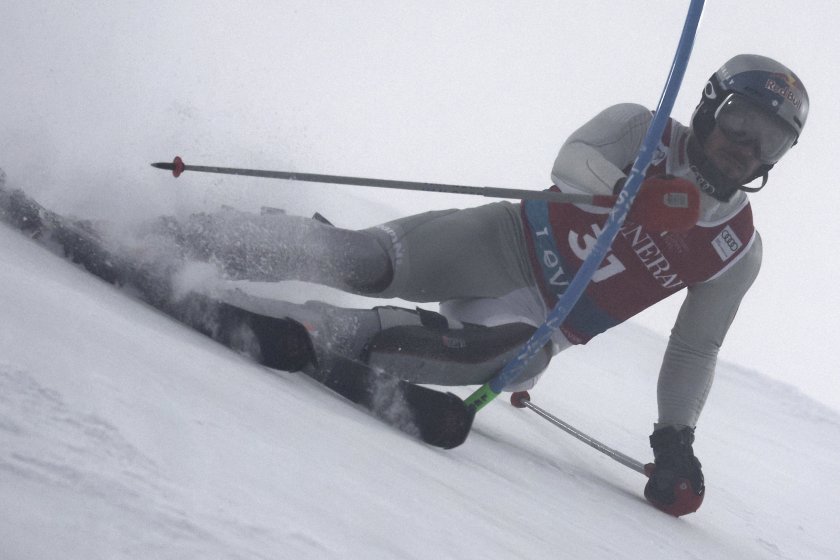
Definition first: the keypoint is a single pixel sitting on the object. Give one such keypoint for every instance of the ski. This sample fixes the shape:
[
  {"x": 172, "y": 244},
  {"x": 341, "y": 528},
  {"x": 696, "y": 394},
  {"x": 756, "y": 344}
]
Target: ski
[{"x": 440, "y": 419}]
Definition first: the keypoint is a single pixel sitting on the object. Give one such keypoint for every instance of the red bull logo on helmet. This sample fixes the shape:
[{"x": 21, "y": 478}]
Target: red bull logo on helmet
[{"x": 785, "y": 87}]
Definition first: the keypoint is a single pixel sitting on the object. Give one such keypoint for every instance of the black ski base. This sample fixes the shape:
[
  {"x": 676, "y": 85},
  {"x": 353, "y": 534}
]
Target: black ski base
[{"x": 437, "y": 418}]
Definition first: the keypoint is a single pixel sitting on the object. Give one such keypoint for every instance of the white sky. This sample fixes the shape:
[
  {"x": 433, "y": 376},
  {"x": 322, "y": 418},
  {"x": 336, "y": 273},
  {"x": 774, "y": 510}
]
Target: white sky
[{"x": 473, "y": 92}]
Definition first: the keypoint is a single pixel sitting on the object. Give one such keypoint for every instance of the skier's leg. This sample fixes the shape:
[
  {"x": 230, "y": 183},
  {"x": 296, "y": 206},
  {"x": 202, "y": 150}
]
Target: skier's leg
[
  {"x": 434, "y": 256},
  {"x": 273, "y": 247},
  {"x": 415, "y": 345},
  {"x": 477, "y": 252},
  {"x": 426, "y": 347}
]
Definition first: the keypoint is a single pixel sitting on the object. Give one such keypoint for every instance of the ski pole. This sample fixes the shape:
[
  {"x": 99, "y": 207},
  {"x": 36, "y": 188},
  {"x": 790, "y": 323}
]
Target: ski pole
[
  {"x": 178, "y": 166},
  {"x": 521, "y": 399},
  {"x": 580, "y": 281}
]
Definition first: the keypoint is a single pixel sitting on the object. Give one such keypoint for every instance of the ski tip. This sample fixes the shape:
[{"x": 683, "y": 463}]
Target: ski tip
[
  {"x": 439, "y": 419},
  {"x": 452, "y": 426},
  {"x": 177, "y": 166}
]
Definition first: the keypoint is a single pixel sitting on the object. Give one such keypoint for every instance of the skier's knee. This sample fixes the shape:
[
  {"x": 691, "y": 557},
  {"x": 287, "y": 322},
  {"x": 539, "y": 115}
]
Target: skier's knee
[{"x": 368, "y": 267}]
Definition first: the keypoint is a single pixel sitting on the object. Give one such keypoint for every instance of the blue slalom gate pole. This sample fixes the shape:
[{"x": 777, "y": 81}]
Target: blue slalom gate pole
[{"x": 578, "y": 284}]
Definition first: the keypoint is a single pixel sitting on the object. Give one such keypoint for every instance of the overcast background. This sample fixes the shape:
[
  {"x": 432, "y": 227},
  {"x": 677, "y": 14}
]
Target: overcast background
[{"x": 476, "y": 93}]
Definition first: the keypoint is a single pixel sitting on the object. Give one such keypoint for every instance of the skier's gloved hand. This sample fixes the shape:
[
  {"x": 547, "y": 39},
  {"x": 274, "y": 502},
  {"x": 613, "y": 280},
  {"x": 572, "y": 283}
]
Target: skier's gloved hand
[
  {"x": 665, "y": 203},
  {"x": 676, "y": 483}
]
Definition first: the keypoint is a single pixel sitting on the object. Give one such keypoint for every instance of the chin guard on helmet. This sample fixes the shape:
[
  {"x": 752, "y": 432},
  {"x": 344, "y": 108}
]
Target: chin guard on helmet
[{"x": 712, "y": 182}]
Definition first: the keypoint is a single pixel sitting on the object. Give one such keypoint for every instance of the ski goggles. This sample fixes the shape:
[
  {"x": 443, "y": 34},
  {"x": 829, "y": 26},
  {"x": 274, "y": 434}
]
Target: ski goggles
[{"x": 743, "y": 122}]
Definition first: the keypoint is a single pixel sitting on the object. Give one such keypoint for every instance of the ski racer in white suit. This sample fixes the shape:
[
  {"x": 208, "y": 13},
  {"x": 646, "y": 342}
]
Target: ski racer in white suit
[{"x": 499, "y": 268}]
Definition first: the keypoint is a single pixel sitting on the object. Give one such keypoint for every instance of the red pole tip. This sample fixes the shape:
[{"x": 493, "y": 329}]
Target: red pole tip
[
  {"x": 519, "y": 398},
  {"x": 177, "y": 166}
]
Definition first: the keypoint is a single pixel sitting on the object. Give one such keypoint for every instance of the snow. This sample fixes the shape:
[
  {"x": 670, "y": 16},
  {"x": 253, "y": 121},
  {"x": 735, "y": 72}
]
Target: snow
[{"x": 125, "y": 435}]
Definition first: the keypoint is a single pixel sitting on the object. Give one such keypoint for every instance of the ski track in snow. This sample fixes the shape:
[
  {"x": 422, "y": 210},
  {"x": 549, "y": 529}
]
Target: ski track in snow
[{"x": 80, "y": 454}]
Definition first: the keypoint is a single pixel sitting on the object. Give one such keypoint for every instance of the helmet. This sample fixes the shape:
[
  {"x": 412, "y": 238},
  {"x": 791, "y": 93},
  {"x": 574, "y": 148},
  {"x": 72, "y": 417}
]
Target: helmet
[
  {"x": 759, "y": 84},
  {"x": 767, "y": 84}
]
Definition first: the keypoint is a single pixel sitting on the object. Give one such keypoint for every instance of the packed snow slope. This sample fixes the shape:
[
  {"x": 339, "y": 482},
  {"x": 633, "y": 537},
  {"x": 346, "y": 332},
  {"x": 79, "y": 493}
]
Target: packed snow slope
[{"x": 125, "y": 435}]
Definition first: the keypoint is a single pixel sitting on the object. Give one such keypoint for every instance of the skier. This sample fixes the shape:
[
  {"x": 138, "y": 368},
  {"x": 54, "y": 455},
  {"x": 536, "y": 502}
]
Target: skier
[{"x": 498, "y": 269}]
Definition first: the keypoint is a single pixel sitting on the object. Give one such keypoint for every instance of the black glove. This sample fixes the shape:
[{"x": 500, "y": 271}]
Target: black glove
[{"x": 676, "y": 479}]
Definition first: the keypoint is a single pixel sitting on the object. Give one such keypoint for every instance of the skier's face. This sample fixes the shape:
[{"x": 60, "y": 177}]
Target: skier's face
[
  {"x": 744, "y": 122},
  {"x": 737, "y": 161}
]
